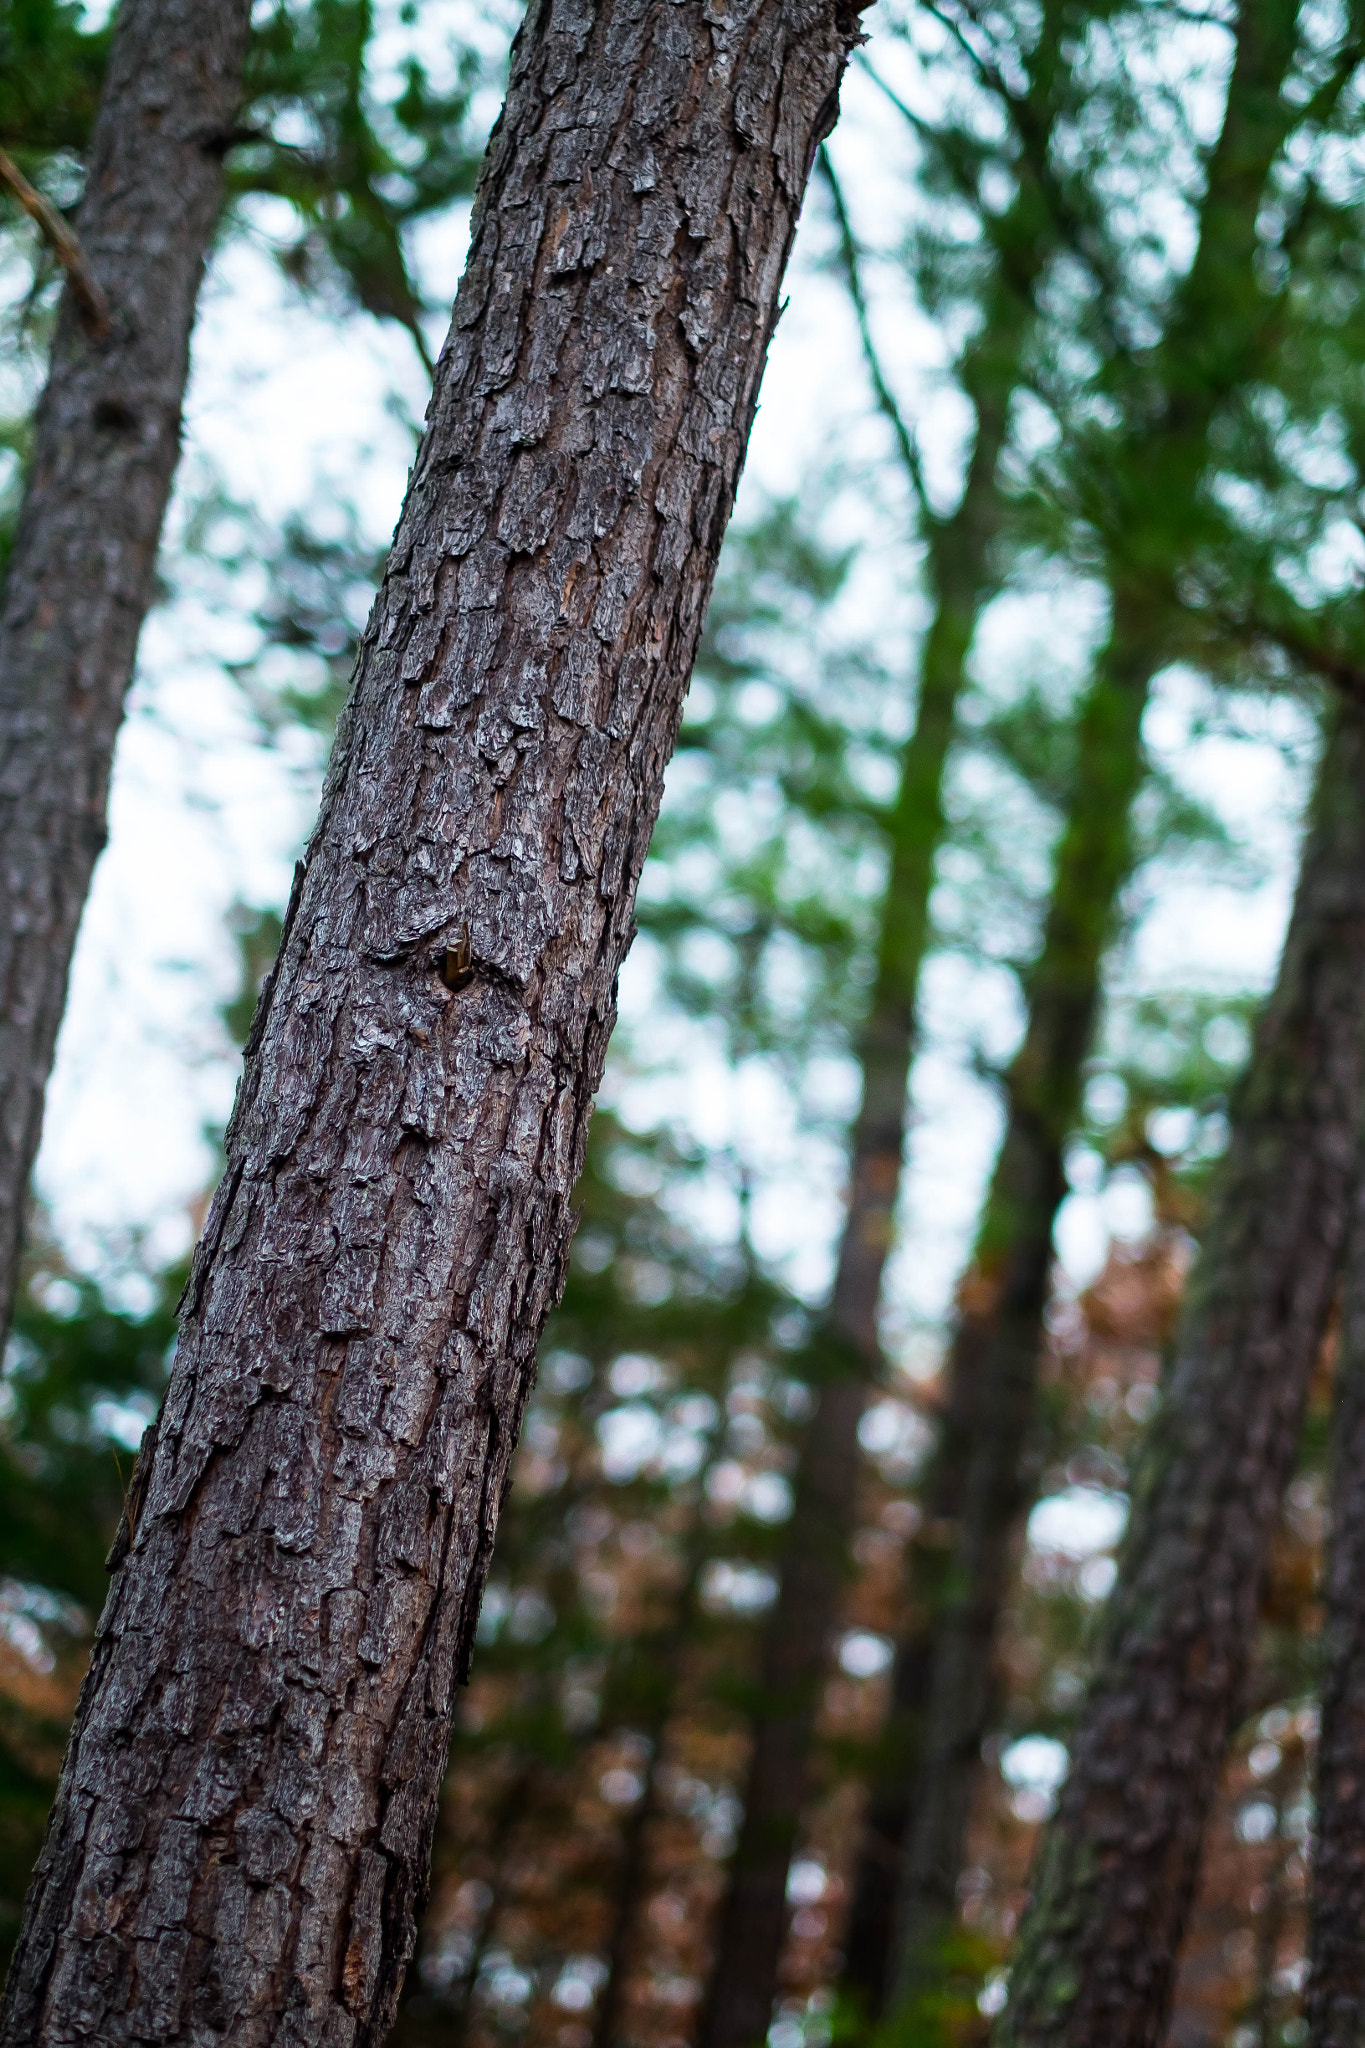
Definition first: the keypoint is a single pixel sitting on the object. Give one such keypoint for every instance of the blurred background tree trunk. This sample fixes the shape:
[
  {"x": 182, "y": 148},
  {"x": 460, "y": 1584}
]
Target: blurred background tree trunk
[
  {"x": 984, "y": 1484},
  {"x": 983, "y": 1478},
  {"x": 813, "y": 1569},
  {"x": 1116, "y": 1870},
  {"x": 80, "y": 576},
  {"x": 1335, "y": 2003}
]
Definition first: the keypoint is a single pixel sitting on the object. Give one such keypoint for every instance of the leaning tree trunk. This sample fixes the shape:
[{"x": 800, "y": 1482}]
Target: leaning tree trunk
[
  {"x": 812, "y": 1574},
  {"x": 1097, "y": 1950},
  {"x": 905, "y": 1887},
  {"x": 105, "y": 445},
  {"x": 244, "y": 1818},
  {"x": 1335, "y": 2004}
]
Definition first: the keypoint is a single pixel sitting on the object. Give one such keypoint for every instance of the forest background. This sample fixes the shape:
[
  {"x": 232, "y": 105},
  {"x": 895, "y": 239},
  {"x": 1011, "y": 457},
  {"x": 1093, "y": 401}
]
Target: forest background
[{"x": 656, "y": 1475}]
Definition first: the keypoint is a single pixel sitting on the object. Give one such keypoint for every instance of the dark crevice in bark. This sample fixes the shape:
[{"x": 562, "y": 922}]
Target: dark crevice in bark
[{"x": 1096, "y": 1954}]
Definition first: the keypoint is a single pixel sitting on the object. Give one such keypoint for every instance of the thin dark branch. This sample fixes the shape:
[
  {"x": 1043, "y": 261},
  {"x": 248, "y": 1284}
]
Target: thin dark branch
[
  {"x": 1075, "y": 231},
  {"x": 1193, "y": 15},
  {"x": 991, "y": 76},
  {"x": 1324, "y": 100},
  {"x": 907, "y": 112},
  {"x": 886, "y": 398},
  {"x": 1343, "y": 673},
  {"x": 925, "y": 130},
  {"x": 93, "y": 306}
]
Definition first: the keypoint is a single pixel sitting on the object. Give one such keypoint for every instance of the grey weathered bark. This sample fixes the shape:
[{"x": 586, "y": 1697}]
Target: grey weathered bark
[
  {"x": 106, "y": 440},
  {"x": 1335, "y": 2002},
  {"x": 243, "y": 1824},
  {"x": 1112, "y": 1884},
  {"x": 812, "y": 1568}
]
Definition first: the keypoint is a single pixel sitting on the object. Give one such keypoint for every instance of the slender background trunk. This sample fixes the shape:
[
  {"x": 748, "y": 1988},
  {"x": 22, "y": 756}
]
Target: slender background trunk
[
  {"x": 106, "y": 440},
  {"x": 812, "y": 1572},
  {"x": 943, "y": 1683},
  {"x": 1335, "y": 2005},
  {"x": 662, "y": 1659},
  {"x": 905, "y": 1891},
  {"x": 812, "y": 1569},
  {"x": 1112, "y": 1885},
  {"x": 243, "y": 1826}
]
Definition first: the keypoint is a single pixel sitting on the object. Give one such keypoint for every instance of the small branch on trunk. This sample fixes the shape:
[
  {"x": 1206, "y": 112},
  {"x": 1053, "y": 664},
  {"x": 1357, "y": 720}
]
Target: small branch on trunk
[
  {"x": 93, "y": 306},
  {"x": 1342, "y": 672}
]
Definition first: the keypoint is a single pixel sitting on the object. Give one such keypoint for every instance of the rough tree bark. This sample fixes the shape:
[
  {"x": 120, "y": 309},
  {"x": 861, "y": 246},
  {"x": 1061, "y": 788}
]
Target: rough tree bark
[
  {"x": 1111, "y": 1888},
  {"x": 812, "y": 1570},
  {"x": 1335, "y": 2002},
  {"x": 944, "y": 1677},
  {"x": 106, "y": 440},
  {"x": 243, "y": 1824}
]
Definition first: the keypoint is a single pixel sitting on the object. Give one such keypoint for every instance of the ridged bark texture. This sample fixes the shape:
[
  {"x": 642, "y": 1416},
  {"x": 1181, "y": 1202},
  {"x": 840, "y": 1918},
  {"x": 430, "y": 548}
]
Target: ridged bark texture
[
  {"x": 243, "y": 1825},
  {"x": 1097, "y": 1950},
  {"x": 812, "y": 1571},
  {"x": 1335, "y": 2001},
  {"x": 106, "y": 440}
]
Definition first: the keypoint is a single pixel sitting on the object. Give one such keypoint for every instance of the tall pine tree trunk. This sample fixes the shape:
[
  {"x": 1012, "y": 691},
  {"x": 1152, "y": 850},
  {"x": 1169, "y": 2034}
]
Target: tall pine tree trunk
[
  {"x": 1335, "y": 2004},
  {"x": 244, "y": 1820},
  {"x": 1112, "y": 1885},
  {"x": 980, "y": 1486},
  {"x": 812, "y": 1569},
  {"x": 905, "y": 1890},
  {"x": 106, "y": 440}
]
